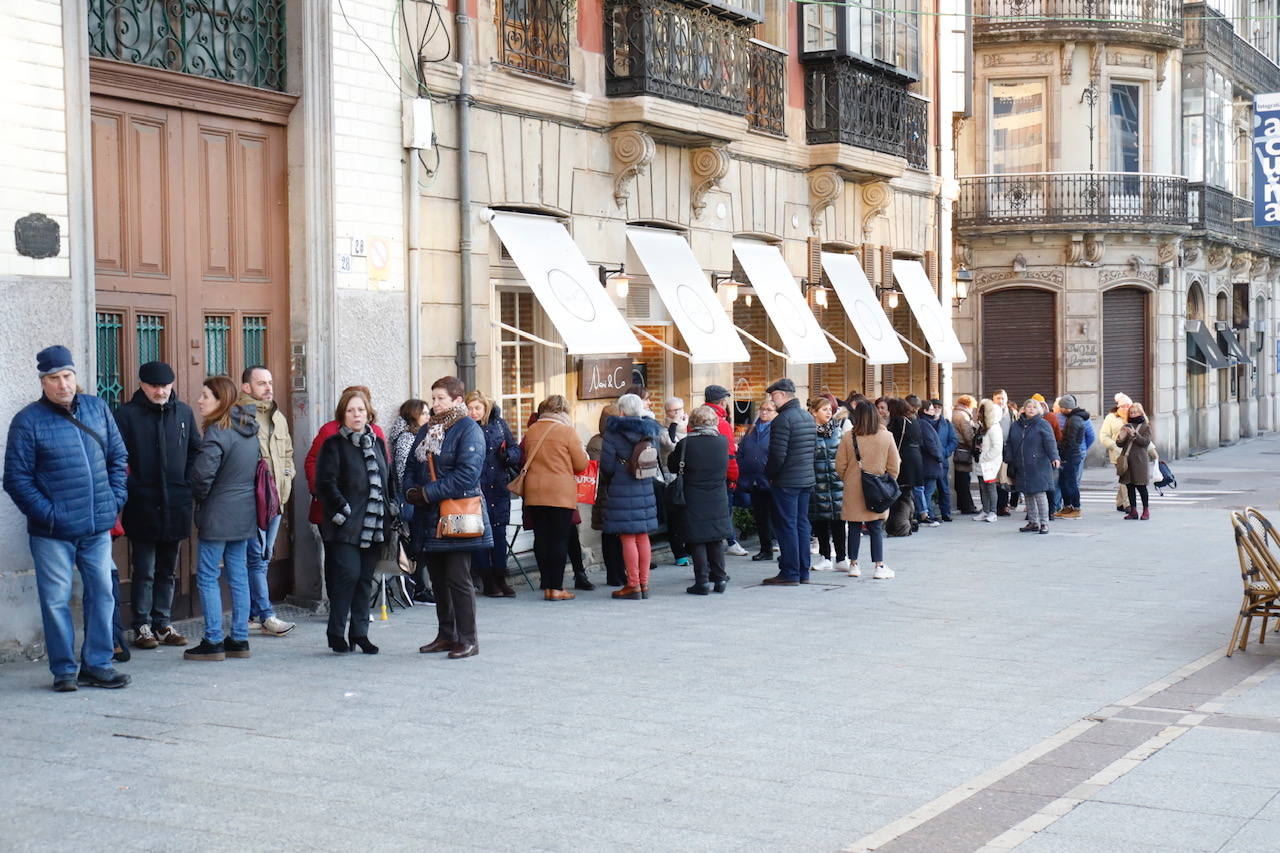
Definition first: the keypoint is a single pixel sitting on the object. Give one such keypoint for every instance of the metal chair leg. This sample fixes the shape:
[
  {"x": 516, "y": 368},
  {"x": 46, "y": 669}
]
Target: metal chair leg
[{"x": 511, "y": 552}]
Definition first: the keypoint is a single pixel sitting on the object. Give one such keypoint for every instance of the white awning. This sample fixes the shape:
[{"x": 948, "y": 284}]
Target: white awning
[
  {"x": 863, "y": 307},
  {"x": 933, "y": 321},
  {"x": 690, "y": 301},
  {"x": 778, "y": 292},
  {"x": 566, "y": 286}
]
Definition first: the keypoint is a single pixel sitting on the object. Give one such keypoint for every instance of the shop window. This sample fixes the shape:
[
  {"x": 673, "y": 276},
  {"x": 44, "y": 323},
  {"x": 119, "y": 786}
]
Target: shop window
[{"x": 517, "y": 390}]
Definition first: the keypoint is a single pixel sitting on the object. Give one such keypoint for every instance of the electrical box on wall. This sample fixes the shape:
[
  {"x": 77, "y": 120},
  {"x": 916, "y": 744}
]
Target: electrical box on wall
[{"x": 419, "y": 129}]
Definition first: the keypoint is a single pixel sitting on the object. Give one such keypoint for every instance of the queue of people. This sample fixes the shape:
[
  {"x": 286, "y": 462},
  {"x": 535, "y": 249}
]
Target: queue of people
[{"x": 439, "y": 486}]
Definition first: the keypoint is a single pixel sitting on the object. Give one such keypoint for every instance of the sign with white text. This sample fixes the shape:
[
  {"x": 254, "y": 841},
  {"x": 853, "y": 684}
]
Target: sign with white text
[{"x": 1266, "y": 159}]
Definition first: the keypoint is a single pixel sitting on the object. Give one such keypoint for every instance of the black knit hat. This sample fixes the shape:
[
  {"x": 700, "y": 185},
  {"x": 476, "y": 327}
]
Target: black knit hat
[{"x": 156, "y": 373}]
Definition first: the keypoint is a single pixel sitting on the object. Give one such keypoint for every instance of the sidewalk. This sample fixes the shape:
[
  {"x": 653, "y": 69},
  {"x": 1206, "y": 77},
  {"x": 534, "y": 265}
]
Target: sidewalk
[{"x": 998, "y": 680}]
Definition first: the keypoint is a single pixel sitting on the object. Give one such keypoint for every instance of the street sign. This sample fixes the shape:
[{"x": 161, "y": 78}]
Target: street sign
[{"x": 1266, "y": 159}]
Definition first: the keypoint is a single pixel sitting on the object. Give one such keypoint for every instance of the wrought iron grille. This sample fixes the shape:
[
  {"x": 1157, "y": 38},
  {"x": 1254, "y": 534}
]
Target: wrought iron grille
[
  {"x": 917, "y": 133},
  {"x": 1258, "y": 238},
  {"x": 534, "y": 37},
  {"x": 656, "y": 47},
  {"x": 1161, "y": 19},
  {"x": 254, "y": 334},
  {"x": 109, "y": 340},
  {"x": 217, "y": 335},
  {"x": 238, "y": 41},
  {"x": 1208, "y": 31},
  {"x": 150, "y": 331},
  {"x": 845, "y": 102},
  {"x": 1205, "y": 29},
  {"x": 767, "y": 89},
  {"x": 1209, "y": 209},
  {"x": 1047, "y": 198}
]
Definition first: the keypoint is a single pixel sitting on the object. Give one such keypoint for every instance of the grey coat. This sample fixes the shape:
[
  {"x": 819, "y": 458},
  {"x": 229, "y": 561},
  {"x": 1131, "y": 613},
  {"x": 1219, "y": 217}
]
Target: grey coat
[{"x": 222, "y": 479}]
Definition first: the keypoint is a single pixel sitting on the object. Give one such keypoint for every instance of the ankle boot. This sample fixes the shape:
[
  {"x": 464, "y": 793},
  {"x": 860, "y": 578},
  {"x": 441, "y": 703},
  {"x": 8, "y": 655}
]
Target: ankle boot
[
  {"x": 338, "y": 643},
  {"x": 1132, "y": 514},
  {"x": 491, "y": 589},
  {"x": 1146, "y": 515},
  {"x": 505, "y": 588},
  {"x": 581, "y": 582}
]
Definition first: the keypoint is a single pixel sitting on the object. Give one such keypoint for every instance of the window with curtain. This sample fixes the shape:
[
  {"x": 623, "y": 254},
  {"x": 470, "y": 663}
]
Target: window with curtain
[{"x": 1017, "y": 126}]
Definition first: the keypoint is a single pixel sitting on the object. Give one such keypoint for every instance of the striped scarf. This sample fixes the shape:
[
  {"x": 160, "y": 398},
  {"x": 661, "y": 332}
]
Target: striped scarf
[{"x": 371, "y": 526}]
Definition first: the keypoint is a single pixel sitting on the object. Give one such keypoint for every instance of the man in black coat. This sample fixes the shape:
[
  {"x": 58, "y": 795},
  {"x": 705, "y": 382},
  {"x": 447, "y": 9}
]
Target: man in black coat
[
  {"x": 160, "y": 433},
  {"x": 793, "y": 437}
]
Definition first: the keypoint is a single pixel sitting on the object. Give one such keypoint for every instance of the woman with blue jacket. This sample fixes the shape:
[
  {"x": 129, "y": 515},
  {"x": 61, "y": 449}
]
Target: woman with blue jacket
[
  {"x": 1032, "y": 451},
  {"x": 753, "y": 455},
  {"x": 502, "y": 454},
  {"x": 630, "y": 509},
  {"x": 445, "y": 463}
]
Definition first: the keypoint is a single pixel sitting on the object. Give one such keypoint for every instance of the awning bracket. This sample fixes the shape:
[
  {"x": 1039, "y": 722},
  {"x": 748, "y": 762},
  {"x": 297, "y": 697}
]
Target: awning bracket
[
  {"x": 522, "y": 333},
  {"x": 846, "y": 346},
  {"x": 660, "y": 342},
  {"x": 909, "y": 343},
  {"x": 760, "y": 343}
]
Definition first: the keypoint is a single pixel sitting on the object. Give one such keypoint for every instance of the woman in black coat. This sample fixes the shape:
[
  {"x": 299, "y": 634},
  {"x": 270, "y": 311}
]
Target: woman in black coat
[
  {"x": 502, "y": 455},
  {"x": 701, "y": 464},
  {"x": 906, "y": 435},
  {"x": 355, "y": 486}
]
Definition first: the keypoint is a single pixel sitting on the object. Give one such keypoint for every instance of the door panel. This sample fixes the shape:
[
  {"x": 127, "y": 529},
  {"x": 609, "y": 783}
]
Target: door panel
[
  {"x": 1124, "y": 345},
  {"x": 1019, "y": 344}
]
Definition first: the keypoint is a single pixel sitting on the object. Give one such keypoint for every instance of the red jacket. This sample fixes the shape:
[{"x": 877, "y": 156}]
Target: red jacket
[
  {"x": 726, "y": 429},
  {"x": 316, "y": 513}
]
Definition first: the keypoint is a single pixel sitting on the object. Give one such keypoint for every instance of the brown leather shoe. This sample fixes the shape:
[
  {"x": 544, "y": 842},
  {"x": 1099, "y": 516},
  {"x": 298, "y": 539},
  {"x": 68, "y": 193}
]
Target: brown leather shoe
[
  {"x": 557, "y": 595},
  {"x": 506, "y": 590},
  {"x": 779, "y": 580},
  {"x": 632, "y": 593},
  {"x": 437, "y": 645},
  {"x": 464, "y": 650}
]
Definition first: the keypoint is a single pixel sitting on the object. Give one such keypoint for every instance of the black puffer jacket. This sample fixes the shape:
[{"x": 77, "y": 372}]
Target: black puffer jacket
[
  {"x": 792, "y": 439},
  {"x": 162, "y": 441},
  {"x": 1070, "y": 448},
  {"x": 705, "y": 515},
  {"x": 828, "y": 490}
]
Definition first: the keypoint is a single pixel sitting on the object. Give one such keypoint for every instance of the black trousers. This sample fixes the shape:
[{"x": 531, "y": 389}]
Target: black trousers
[
  {"x": 348, "y": 575},
  {"x": 152, "y": 565},
  {"x": 762, "y": 512},
  {"x": 450, "y": 573},
  {"x": 828, "y": 530},
  {"x": 575, "y": 551},
  {"x": 964, "y": 494},
  {"x": 615, "y": 569},
  {"x": 1134, "y": 493},
  {"x": 708, "y": 561},
  {"x": 552, "y": 527}
]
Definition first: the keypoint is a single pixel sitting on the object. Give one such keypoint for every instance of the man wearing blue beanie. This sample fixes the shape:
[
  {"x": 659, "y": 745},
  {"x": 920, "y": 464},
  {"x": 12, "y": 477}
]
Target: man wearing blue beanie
[{"x": 64, "y": 466}]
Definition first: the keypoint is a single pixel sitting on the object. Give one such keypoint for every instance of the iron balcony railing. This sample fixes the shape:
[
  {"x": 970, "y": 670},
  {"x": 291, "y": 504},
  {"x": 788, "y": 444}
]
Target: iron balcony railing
[
  {"x": 534, "y": 37},
  {"x": 855, "y": 105},
  {"x": 1259, "y": 238},
  {"x": 1069, "y": 198},
  {"x": 1210, "y": 210},
  {"x": 1207, "y": 31},
  {"x": 1158, "y": 21},
  {"x": 237, "y": 41},
  {"x": 766, "y": 89}
]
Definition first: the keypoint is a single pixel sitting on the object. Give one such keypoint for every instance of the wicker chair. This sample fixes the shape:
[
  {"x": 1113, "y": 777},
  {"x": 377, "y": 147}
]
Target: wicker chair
[{"x": 1259, "y": 574}]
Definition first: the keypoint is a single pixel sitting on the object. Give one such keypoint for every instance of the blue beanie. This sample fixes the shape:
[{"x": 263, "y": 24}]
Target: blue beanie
[{"x": 54, "y": 359}]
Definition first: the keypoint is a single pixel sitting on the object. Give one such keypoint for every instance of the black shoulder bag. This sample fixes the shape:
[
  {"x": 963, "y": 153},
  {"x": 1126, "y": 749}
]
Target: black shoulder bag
[
  {"x": 102, "y": 442},
  {"x": 879, "y": 491}
]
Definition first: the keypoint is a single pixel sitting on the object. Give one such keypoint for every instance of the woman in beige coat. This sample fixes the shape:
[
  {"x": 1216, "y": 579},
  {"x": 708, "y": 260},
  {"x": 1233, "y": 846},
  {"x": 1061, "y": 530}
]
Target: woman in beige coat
[
  {"x": 879, "y": 456},
  {"x": 553, "y": 454},
  {"x": 1111, "y": 426}
]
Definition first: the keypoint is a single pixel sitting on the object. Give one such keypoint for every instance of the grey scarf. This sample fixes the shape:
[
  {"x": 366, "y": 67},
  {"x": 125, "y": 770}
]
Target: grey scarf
[{"x": 371, "y": 527}]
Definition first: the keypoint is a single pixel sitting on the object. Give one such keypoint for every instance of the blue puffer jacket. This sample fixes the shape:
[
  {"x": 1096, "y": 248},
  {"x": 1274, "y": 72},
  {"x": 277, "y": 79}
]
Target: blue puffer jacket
[
  {"x": 946, "y": 435},
  {"x": 502, "y": 452},
  {"x": 630, "y": 506},
  {"x": 934, "y": 460},
  {"x": 828, "y": 490},
  {"x": 58, "y": 474},
  {"x": 753, "y": 456},
  {"x": 1031, "y": 452},
  {"x": 458, "y": 469}
]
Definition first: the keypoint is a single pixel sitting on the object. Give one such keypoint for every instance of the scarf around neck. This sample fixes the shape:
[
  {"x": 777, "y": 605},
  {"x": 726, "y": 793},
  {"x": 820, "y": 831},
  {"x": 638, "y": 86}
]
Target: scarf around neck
[
  {"x": 371, "y": 526},
  {"x": 437, "y": 426},
  {"x": 705, "y": 429}
]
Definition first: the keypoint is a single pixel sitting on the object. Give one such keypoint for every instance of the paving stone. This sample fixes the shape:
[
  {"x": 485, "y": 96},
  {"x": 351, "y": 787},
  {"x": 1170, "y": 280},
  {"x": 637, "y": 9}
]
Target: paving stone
[
  {"x": 1256, "y": 836},
  {"x": 1095, "y": 822}
]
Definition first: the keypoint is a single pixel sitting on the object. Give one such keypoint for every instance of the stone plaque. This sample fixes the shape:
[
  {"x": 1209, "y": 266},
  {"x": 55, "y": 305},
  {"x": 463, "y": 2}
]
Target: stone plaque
[
  {"x": 37, "y": 236},
  {"x": 1082, "y": 354}
]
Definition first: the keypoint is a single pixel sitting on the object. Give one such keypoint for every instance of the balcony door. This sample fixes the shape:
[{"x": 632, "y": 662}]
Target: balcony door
[
  {"x": 1124, "y": 134},
  {"x": 1016, "y": 152}
]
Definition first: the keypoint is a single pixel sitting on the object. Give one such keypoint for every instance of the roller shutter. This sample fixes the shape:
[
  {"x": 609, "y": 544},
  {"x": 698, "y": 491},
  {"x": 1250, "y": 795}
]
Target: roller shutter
[
  {"x": 1124, "y": 344},
  {"x": 1019, "y": 343}
]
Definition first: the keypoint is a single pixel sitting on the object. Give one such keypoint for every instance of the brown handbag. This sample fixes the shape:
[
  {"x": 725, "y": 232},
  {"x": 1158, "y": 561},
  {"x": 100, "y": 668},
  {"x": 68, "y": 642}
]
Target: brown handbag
[
  {"x": 460, "y": 518},
  {"x": 516, "y": 486}
]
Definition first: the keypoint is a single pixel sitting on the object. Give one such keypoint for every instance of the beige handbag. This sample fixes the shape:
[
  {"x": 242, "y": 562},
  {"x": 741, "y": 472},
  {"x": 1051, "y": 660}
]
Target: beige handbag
[{"x": 516, "y": 486}]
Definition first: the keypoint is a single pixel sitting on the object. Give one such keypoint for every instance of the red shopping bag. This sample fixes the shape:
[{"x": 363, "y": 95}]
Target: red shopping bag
[{"x": 587, "y": 481}]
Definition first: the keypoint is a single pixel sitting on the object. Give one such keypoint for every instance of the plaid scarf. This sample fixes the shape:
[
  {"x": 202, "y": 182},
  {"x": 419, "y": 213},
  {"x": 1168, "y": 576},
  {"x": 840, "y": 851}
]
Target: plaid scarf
[{"x": 371, "y": 526}]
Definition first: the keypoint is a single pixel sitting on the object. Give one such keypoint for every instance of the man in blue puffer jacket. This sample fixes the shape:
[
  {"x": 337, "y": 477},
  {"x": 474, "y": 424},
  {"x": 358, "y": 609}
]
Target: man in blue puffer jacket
[{"x": 64, "y": 466}]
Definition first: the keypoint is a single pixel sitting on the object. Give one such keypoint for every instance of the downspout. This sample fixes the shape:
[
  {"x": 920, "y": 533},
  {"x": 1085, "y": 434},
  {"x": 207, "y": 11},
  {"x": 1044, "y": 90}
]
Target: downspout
[
  {"x": 413, "y": 253},
  {"x": 465, "y": 358}
]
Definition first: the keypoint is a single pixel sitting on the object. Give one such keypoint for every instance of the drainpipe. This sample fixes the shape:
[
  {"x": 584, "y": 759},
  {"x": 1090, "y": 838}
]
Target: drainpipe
[
  {"x": 466, "y": 352},
  {"x": 413, "y": 254}
]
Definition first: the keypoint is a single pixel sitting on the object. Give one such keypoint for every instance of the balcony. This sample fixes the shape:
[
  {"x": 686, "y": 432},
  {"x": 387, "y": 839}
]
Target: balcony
[
  {"x": 534, "y": 37},
  {"x": 1149, "y": 22},
  {"x": 1264, "y": 239},
  {"x": 848, "y": 103},
  {"x": 1121, "y": 200},
  {"x": 766, "y": 89},
  {"x": 1208, "y": 32},
  {"x": 1210, "y": 210}
]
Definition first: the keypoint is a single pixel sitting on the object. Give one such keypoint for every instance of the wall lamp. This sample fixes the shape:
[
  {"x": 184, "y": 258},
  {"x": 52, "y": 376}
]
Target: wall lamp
[
  {"x": 819, "y": 292},
  {"x": 724, "y": 284},
  {"x": 964, "y": 278},
  {"x": 892, "y": 292},
  {"x": 618, "y": 277}
]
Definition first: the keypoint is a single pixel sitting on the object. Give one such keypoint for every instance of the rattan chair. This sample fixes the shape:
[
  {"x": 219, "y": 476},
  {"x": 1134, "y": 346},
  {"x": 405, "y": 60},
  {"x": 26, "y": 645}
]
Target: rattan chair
[{"x": 1259, "y": 575}]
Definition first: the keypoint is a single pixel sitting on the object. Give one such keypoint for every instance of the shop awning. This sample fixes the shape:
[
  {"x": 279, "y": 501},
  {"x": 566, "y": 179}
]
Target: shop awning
[
  {"x": 914, "y": 283},
  {"x": 778, "y": 292},
  {"x": 690, "y": 301},
  {"x": 565, "y": 285},
  {"x": 1231, "y": 342},
  {"x": 1198, "y": 336},
  {"x": 860, "y": 303}
]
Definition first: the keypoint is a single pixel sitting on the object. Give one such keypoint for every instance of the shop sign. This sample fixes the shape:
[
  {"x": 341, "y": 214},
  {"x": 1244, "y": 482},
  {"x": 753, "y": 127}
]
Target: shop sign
[
  {"x": 1266, "y": 159},
  {"x": 1082, "y": 354},
  {"x": 603, "y": 378}
]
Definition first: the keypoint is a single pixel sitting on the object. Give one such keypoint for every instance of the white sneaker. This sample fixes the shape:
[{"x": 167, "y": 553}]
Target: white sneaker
[
  {"x": 823, "y": 565},
  {"x": 982, "y": 516},
  {"x": 842, "y": 566},
  {"x": 254, "y": 625},
  {"x": 930, "y": 523},
  {"x": 991, "y": 516},
  {"x": 813, "y": 545},
  {"x": 276, "y": 627},
  {"x": 883, "y": 573},
  {"x": 854, "y": 571},
  {"x": 736, "y": 550}
]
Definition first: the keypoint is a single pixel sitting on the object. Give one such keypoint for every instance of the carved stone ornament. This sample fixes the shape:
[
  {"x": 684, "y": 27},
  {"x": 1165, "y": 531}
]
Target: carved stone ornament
[
  {"x": 1218, "y": 257},
  {"x": 957, "y": 127},
  {"x": 1240, "y": 263},
  {"x": 963, "y": 255},
  {"x": 709, "y": 166},
  {"x": 1162, "y": 64},
  {"x": 1190, "y": 252},
  {"x": 826, "y": 185},
  {"x": 1019, "y": 263},
  {"x": 1068, "y": 56},
  {"x": 1093, "y": 248},
  {"x": 1095, "y": 62},
  {"x": 1045, "y": 276},
  {"x": 875, "y": 199},
  {"x": 1129, "y": 59},
  {"x": 1258, "y": 268},
  {"x": 634, "y": 150},
  {"x": 998, "y": 60},
  {"x": 1075, "y": 249},
  {"x": 1167, "y": 252},
  {"x": 1127, "y": 274}
]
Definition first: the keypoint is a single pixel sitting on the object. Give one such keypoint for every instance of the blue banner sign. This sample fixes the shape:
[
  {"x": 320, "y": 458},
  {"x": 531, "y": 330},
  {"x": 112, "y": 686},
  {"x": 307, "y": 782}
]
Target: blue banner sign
[{"x": 1266, "y": 159}]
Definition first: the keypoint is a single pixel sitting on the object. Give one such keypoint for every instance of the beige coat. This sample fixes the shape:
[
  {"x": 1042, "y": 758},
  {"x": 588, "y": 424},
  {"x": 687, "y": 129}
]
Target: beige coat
[
  {"x": 1110, "y": 430},
  {"x": 274, "y": 443},
  {"x": 879, "y": 456},
  {"x": 550, "y": 481}
]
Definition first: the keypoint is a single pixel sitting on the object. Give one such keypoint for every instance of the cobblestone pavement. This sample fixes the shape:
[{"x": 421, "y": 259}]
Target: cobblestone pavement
[{"x": 1061, "y": 693}]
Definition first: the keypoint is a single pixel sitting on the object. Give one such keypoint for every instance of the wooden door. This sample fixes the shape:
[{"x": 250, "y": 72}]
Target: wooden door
[
  {"x": 1019, "y": 344},
  {"x": 190, "y": 225}
]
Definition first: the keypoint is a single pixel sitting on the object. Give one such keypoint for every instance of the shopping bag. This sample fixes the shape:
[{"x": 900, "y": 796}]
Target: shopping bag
[{"x": 588, "y": 480}]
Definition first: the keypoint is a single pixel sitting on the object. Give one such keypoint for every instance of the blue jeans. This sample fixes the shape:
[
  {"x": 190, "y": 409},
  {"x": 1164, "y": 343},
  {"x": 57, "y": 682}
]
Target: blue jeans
[
  {"x": 875, "y": 529},
  {"x": 1069, "y": 484},
  {"x": 920, "y": 500},
  {"x": 54, "y": 559},
  {"x": 232, "y": 556},
  {"x": 791, "y": 527},
  {"x": 261, "y": 545}
]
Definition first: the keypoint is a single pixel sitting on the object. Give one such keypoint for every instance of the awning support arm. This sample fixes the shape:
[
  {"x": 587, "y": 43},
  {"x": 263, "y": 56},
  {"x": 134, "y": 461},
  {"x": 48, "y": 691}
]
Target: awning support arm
[
  {"x": 1197, "y": 361},
  {"x": 908, "y": 342},
  {"x": 522, "y": 333},
  {"x": 760, "y": 343},
  {"x": 660, "y": 342},
  {"x": 846, "y": 346}
]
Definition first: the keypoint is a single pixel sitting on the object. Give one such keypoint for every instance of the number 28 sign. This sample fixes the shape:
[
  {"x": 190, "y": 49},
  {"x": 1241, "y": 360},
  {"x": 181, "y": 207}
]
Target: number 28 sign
[{"x": 1266, "y": 159}]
